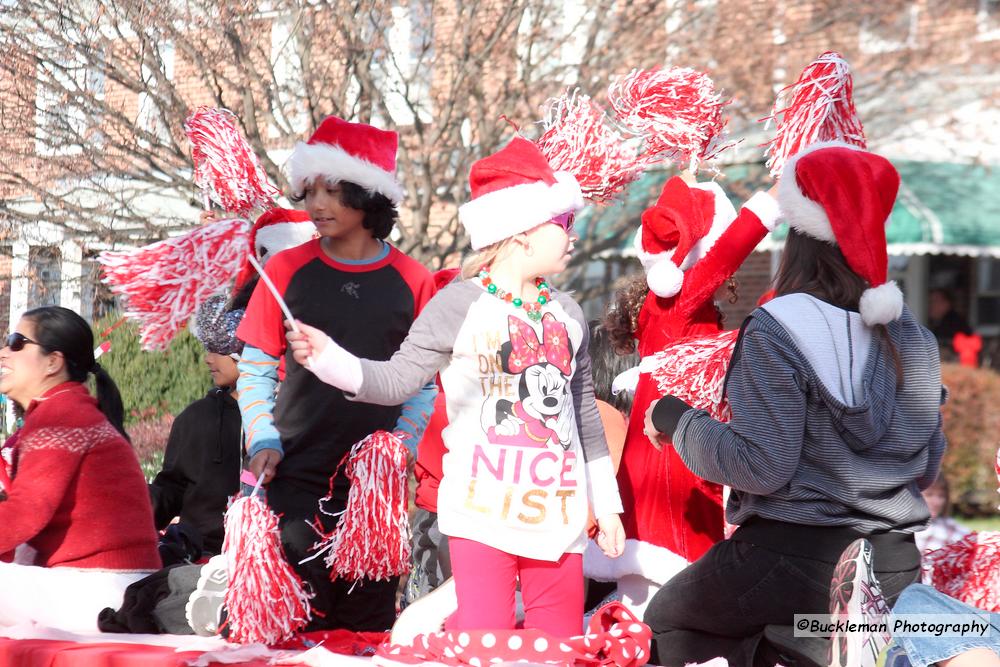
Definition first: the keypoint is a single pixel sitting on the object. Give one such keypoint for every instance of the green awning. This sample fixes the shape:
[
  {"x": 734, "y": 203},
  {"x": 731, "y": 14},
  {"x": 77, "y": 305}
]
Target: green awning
[{"x": 942, "y": 208}]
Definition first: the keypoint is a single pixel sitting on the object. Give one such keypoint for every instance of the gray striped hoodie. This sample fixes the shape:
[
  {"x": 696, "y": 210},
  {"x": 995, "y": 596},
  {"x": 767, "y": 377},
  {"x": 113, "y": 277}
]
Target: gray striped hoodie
[{"x": 797, "y": 451}]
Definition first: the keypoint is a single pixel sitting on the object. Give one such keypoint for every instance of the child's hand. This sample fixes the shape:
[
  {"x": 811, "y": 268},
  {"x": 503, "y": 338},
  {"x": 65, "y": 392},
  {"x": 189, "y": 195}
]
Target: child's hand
[
  {"x": 611, "y": 538},
  {"x": 307, "y": 343},
  {"x": 265, "y": 463},
  {"x": 650, "y": 430}
]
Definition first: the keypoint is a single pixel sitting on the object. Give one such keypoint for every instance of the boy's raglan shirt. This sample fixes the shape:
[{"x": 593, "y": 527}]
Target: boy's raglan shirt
[
  {"x": 369, "y": 307},
  {"x": 525, "y": 444}
]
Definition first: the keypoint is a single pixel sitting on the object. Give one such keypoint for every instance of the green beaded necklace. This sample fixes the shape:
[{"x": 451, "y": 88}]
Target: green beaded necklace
[{"x": 533, "y": 310}]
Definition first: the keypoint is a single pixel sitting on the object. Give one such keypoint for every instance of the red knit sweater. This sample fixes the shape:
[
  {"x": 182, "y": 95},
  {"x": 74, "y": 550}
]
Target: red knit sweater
[{"x": 77, "y": 494}]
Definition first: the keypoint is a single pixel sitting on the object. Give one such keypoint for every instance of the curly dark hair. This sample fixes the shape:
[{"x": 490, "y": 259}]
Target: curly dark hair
[
  {"x": 380, "y": 213},
  {"x": 622, "y": 318}
]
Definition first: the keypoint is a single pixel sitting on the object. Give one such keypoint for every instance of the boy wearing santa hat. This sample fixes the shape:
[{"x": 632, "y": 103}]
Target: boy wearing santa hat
[{"x": 364, "y": 292}]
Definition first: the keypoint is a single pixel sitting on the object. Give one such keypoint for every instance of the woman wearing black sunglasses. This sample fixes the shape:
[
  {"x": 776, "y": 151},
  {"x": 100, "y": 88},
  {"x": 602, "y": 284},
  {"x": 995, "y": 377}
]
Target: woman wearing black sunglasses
[{"x": 73, "y": 489}]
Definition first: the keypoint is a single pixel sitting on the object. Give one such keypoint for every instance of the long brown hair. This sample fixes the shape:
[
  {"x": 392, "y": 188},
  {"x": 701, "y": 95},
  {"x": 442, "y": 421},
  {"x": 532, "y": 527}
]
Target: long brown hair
[{"x": 819, "y": 269}]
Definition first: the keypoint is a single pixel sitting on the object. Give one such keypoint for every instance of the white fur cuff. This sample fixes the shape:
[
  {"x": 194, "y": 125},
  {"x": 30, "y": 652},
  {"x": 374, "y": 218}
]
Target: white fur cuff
[{"x": 766, "y": 208}]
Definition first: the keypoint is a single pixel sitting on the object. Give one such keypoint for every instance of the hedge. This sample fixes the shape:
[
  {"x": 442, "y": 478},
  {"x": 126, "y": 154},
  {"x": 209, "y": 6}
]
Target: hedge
[
  {"x": 972, "y": 426},
  {"x": 153, "y": 384}
]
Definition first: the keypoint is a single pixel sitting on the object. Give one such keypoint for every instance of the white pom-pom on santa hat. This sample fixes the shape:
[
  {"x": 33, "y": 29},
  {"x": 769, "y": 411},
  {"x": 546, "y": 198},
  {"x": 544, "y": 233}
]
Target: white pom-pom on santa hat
[
  {"x": 343, "y": 151},
  {"x": 665, "y": 278},
  {"x": 513, "y": 191},
  {"x": 662, "y": 275},
  {"x": 841, "y": 194},
  {"x": 882, "y": 304}
]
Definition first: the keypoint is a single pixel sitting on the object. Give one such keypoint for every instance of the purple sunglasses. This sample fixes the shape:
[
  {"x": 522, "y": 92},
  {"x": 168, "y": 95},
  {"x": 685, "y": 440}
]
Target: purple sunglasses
[{"x": 565, "y": 221}]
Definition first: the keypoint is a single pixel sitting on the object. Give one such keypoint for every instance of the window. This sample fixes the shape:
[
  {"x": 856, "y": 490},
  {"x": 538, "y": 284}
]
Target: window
[
  {"x": 68, "y": 97},
  {"x": 684, "y": 19},
  {"x": 988, "y": 20},
  {"x": 286, "y": 64},
  {"x": 44, "y": 277},
  {"x": 150, "y": 117},
  {"x": 988, "y": 295},
  {"x": 406, "y": 72},
  {"x": 892, "y": 30}
]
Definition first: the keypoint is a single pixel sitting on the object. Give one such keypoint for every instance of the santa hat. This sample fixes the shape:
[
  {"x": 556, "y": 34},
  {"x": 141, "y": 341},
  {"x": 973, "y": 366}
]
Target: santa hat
[
  {"x": 839, "y": 193},
  {"x": 679, "y": 230},
  {"x": 514, "y": 190},
  {"x": 275, "y": 230},
  {"x": 343, "y": 151}
]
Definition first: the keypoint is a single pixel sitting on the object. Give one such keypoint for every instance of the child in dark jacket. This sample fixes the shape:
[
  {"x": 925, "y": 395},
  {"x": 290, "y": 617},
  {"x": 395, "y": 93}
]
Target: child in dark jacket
[{"x": 201, "y": 466}]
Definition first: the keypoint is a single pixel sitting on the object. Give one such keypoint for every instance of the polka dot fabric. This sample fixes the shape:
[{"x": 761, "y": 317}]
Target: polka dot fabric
[{"x": 614, "y": 637}]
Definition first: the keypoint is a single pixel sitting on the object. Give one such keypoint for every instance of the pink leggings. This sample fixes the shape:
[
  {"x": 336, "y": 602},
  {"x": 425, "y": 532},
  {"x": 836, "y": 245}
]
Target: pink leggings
[{"x": 485, "y": 581}]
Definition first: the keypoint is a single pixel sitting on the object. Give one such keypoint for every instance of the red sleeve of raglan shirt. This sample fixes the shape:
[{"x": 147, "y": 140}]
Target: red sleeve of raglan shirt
[
  {"x": 418, "y": 279},
  {"x": 263, "y": 324}
]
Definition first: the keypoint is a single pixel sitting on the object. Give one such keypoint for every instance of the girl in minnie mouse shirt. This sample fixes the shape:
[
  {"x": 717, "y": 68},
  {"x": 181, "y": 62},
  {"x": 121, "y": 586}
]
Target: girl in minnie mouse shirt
[{"x": 526, "y": 448}]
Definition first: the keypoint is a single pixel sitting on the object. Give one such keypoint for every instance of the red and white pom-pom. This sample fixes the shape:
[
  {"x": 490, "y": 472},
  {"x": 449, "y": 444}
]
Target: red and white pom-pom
[
  {"x": 578, "y": 140},
  {"x": 677, "y": 111},
  {"x": 224, "y": 163},
  {"x": 265, "y": 599},
  {"x": 164, "y": 283},
  {"x": 967, "y": 570},
  {"x": 820, "y": 108},
  {"x": 694, "y": 370},
  {"x": 372, "y": 538}
]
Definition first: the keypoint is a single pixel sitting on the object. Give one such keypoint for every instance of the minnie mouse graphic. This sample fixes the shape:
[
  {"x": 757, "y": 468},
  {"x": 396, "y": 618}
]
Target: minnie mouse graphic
[{"x": 543, "y": 413}]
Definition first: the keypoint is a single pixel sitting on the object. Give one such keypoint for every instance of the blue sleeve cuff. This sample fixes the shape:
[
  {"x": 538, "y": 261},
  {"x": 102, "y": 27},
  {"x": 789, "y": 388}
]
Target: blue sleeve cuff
[
  {"x": 415, "y": 415},
  {"x": 263, "y": 444}
]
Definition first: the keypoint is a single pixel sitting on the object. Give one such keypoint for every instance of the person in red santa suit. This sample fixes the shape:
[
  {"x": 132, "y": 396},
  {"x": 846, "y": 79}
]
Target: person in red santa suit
[
  {"x": 690, "y": 243},
  {"x": 72, "y": 490}
]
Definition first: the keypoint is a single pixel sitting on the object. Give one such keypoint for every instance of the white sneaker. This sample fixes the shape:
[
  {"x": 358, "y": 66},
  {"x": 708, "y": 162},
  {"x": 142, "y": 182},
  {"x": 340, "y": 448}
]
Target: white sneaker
[
  {"x": 426, "y": 614},
  {"x": 204, "y": 607},
  {"x": 855, "y": 594}
]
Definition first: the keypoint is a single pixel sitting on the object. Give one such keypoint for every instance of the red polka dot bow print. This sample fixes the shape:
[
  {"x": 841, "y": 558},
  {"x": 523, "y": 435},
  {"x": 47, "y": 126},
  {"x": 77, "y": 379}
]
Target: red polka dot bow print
[{"x": 527, "y": 350}]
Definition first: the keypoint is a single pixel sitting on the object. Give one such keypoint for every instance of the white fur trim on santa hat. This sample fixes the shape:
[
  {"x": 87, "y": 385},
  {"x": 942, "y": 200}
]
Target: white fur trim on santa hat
[
  {"x": 643, "y": 558},
  {"x": 309, "y": 161},
  {"x": 281, "y": 236},
  {"x": 881, "y": 304},
  {"x": 724, "y": 216},
  {"x": 498, "y": 215},
  {"x": 800, "y": 212}
]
